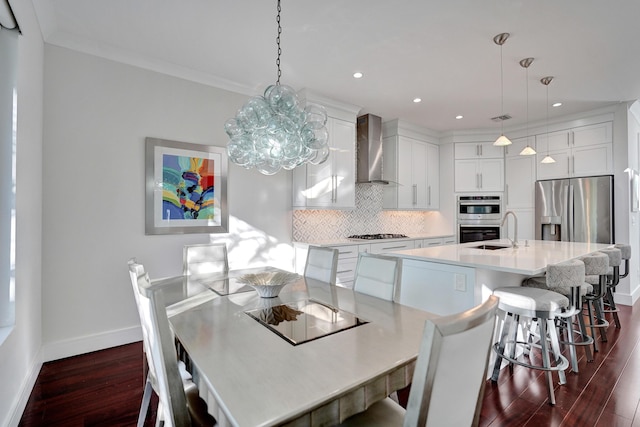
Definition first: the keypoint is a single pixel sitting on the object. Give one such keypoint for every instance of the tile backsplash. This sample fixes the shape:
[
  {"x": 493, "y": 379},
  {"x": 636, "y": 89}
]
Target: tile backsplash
[{"x": 367, "y": 218}]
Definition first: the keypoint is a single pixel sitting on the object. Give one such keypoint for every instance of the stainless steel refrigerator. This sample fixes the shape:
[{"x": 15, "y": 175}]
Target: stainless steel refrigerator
[{"x": 575, "y": 209}]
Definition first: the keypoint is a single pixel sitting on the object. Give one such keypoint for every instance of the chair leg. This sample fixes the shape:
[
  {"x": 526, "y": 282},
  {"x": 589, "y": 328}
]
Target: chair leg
[
  {"x": 555, "y": 347},
  {"x": 612, "y": 306},
  {"x": 583, "y": 330},
  {"x": 144, "y": 406},
  {"x": 499, "y": 350},
  {"x": 592, "y": 324},
  {"x": 546, "y": 362},
  {"x": 598, "y": 305},
  {"x": 515, "y": 324},
  {"x": 572, "y": 344}
]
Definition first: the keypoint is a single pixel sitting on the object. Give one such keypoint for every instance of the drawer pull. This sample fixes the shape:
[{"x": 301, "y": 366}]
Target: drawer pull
[
  {"x": 344, "y": 271},
  {"x": 394, "y": 247}
]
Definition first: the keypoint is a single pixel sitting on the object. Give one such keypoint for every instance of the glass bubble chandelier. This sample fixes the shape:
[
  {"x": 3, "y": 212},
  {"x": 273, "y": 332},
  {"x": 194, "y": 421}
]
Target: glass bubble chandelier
[{"x": 277, "y": 130}]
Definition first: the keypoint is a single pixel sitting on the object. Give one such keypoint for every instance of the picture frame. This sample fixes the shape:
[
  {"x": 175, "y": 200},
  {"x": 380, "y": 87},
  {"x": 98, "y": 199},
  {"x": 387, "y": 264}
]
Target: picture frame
[{"x": 186, "y": 188}]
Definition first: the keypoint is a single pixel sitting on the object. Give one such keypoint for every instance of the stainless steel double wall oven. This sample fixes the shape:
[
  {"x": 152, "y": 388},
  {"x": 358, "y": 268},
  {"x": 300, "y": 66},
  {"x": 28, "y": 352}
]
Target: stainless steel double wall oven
[{"x": 479, "y": 218}]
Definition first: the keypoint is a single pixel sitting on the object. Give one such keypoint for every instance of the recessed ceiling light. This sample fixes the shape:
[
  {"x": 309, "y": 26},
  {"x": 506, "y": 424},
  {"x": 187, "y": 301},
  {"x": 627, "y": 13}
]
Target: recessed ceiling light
[
  {"x": 357, "y": 75},
  {"x": 416, "y": 100},
  {"x": 458, "y": 117},
  {"x": 557, "y": 104}
]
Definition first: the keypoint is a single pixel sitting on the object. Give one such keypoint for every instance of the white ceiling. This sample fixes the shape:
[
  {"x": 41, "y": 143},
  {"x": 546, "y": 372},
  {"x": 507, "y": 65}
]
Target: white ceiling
[{"x": 440, "y": 51}]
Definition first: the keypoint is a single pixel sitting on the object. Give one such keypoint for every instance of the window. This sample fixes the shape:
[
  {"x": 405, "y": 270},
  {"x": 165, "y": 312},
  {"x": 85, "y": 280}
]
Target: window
[{"x": 8, "y": 121}]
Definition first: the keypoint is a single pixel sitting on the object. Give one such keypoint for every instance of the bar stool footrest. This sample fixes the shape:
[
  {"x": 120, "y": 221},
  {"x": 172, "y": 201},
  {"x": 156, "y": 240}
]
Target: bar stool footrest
[{"x": 560, "y": 366}]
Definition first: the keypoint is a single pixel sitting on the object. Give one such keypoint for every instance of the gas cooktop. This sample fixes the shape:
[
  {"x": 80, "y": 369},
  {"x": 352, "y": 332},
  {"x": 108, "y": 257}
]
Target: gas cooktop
[{"x": 376, "y": 236}]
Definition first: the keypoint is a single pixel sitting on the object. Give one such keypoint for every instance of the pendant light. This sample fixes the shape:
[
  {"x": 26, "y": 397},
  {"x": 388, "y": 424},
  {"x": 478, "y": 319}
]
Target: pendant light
[
  {"x": 502, "y": 140},
  {"x": 545, "y": 81},
  {"x": 277, "y": 130},
  {"x": 528, "y": 150}
]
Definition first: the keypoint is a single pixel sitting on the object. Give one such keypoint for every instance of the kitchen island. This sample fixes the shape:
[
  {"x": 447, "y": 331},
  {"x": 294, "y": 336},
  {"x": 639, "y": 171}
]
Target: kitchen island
[{"x": 453, "y": 278}]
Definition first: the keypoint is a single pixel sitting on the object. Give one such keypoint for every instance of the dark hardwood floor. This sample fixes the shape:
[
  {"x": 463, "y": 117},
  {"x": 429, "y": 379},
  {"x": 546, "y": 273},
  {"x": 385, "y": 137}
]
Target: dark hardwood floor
[{"x": 104, "y": 388}]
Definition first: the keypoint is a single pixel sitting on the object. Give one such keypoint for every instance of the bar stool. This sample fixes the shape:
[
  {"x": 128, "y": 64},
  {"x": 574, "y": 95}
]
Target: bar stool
[
  {"x": 596, "y": 267},
  {"x": 567, "y": 278},
  {"x": 532, "y": 304},
  {"x": 614, "y": 278}
]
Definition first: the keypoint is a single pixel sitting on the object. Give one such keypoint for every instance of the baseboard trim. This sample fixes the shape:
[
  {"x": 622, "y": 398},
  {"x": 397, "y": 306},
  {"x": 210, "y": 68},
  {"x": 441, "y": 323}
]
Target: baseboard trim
[
  {"x": 88, "y": 343},
  {"x": 25, "y": 390},
  {"x": 627, "y": 299}
]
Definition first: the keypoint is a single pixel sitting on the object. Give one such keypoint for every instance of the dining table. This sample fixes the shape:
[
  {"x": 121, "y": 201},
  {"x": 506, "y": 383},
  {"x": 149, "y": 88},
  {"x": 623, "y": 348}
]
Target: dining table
[{"x": 312, "y": 356}]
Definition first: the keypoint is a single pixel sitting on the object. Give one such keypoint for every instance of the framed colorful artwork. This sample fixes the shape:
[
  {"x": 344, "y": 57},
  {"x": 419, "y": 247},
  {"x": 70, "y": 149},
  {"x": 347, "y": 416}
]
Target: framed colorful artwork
[{"x": 186, "y": 188}]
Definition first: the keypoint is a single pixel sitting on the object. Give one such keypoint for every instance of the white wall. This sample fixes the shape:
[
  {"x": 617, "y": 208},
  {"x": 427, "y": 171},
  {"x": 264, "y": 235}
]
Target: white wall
[
  {"x": 97, "y": 115},
  {"x": 20, "y": 359},
  {"x": 631, "y": 285}
]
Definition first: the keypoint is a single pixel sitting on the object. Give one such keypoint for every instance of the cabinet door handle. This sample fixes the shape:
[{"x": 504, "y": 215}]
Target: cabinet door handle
[
  {"x": 335, "y": 186},
  {"x": 507, "y": 188},
  {"x": 573, "y": 138},
  {"x": 481, "y": 149},
  {"x": 343, "y": 271},
  {"x": 429, "y": 195},
  {"x": 415, "y": 194},
  {"x": 394, "y": 247},
  {"x": 568, "y": 166},
  {"x": 480, "y": 179},
  {"x": 573, "y": 164}
]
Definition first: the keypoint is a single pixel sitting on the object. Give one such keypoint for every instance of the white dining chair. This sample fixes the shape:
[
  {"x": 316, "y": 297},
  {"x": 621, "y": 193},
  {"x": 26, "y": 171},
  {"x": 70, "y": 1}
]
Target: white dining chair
[
  {"x": 378, "y": 276},
  {"x": 205, "y": 258},
  {"x": 450, "y": 374},
  {"x": 178, "y": 401},
  {"x": 321, "y": 264}
]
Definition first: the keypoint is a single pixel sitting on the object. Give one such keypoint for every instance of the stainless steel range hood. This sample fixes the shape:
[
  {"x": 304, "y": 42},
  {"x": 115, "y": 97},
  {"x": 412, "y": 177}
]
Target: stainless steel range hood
[{"x": 369, "y": 150}]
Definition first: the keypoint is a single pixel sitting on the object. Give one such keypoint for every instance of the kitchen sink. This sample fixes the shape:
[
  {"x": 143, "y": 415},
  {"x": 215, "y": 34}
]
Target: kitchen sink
[{"x": 492, "y": 247}]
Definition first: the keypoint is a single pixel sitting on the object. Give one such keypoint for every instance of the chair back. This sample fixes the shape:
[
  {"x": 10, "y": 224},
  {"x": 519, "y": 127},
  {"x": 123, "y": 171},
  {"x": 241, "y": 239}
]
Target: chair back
[
  {"x": 378, "y": 276},
  {"x": 625, "y": 251},
  {"x": 322, "y": 264},
  {"x": 204, "y": 259},
  {"x": 160, "y": 349},
  {"x": 136, "y": 271},
  {"x": 450, "y": 374}
]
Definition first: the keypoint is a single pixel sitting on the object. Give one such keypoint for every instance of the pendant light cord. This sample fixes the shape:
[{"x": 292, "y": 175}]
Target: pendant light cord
[{"x": 278, "y": 43}]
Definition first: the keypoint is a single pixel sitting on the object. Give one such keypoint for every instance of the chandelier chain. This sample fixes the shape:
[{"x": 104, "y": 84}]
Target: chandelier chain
[{"x": 278, "y": 43}]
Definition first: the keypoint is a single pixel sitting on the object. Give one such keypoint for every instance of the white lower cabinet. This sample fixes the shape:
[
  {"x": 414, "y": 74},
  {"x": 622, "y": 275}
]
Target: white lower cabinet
[
  {"x": 425, "y": 243},
  {"x": 385, "y": 247},
  {"x": 449, "y": 240},
  {"x": 348, "y": 254}
]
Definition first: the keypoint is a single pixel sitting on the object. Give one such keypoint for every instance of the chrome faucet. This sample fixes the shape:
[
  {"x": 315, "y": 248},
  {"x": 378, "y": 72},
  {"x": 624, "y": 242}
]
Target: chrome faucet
[{"x": 514, "y": 242}]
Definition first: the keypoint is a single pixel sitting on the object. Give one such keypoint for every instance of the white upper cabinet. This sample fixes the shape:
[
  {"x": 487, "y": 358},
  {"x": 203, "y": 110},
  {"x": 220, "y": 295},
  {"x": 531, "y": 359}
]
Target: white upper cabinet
[
  {"x": 330, "y": 185},
  {"x": 478, "y": 150},
  {"x": 412, "y": 168},
  {"x": 580, "y": 151},
  {"x": 478, "y": 167}
]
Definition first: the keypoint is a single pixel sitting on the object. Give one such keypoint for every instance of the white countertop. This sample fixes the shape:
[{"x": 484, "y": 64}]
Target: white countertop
[{"x": 528, "y": 260}]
